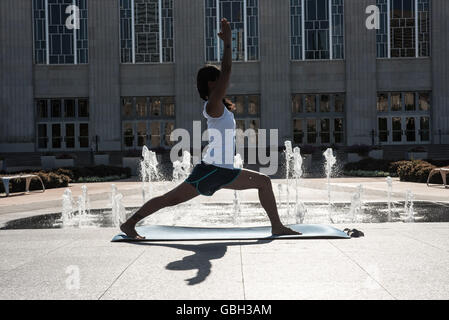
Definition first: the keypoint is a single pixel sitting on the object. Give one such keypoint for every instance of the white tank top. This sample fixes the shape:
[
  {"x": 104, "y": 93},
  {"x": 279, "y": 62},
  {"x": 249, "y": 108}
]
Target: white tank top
[{"x": 221, "y": 148}]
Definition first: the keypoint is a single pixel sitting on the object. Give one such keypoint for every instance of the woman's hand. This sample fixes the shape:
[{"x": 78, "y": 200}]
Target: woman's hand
[{"x": 225, "y": 34}]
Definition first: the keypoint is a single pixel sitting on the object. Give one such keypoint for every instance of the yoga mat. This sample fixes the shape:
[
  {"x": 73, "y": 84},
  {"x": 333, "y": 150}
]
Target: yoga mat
[{"x": 173, "y": 233}]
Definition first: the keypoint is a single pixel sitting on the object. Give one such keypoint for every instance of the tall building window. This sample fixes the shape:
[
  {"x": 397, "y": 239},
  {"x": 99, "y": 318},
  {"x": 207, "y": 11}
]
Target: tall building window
[
  {"x": 403, "y": 117},
  {"x": 316, "y": 29},
  {"x": 147, "y": 121},
  {"x": 318, "y": 118},
  {"x": 62, "y": 124},
  {"x": 146, "y": 31},
  {"x": 244, "y": 18},
  {"x": 58, "y": 38},
  {"x": 404, "y": 28}
]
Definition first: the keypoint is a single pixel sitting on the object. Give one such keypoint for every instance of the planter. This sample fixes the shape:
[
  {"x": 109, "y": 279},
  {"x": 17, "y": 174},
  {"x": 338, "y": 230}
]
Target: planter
[
  {"x": 63, "y": 163},
  {"x": 376, "y": 154},
  {"x": 417, "y": 155},
  {"x": 48, "y": 162},
  {"x": 101, "y": 159},
  {"x": 133, "y": 163},
  {"x": 354, "y": 157}
]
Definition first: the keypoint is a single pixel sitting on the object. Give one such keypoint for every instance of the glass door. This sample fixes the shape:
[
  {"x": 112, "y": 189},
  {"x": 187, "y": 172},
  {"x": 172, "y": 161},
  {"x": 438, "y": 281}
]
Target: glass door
[
  {"x": 424, "y": 129},
  {"x": 155, "y": 134},
  {"x": 70, "y": 135}
]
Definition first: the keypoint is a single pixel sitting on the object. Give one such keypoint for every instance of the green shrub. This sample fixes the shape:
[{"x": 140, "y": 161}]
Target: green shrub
[
  {"x": 416, "y": 171},
  {"x": 407, "y": 170},
  {"x": 61, "y": 178},
  {"x": 394, "y": 166}
]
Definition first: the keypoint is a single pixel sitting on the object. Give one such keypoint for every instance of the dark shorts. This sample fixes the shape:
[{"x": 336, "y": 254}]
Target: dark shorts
[{"x": 207, "y": 178}]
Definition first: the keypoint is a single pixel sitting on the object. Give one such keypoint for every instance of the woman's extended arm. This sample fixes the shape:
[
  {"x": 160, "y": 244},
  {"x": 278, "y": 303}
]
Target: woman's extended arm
[{"x": 215, "y": 106}]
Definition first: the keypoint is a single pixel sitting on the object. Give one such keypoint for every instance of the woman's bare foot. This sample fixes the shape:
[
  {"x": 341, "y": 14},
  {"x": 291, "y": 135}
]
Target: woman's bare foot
[
  {"x": 283, "y": 231},
  {"x": 130, "y": 231}
]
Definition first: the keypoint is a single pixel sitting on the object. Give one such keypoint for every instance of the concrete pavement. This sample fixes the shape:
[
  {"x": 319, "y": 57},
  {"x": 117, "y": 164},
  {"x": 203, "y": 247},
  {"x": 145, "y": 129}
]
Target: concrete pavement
[{"x": 393, "y": 261}]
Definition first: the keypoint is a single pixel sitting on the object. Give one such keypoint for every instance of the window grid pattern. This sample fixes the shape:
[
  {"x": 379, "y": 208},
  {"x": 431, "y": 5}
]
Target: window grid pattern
[
  {"x": 126, "y": 42},
  {"x": 233, "y": 11},
  {"x": 403, "y": 28},
  {"x": 316, "y": 22},
  {"x": 61, "y": 45},
  {"x": 146, "y": 31},
  {"x": 337, "y": 29},
  {"x": 211, "y": 30},
  {"x": 424, "y": 28},
  {"x": 60, "y": 38},
  {"x": 167, "y": 31},
  {"x": 147, "y": 121},
  {"x": 309, "y": 38},
  {"x": 409, "y": 31},
  {"x": 62, "y": 124},
  {"x": 318, "y": 118},
  {"x": 40, "y": 42},
  {"x": 150, "y": 22},
  {"x": 382, "y": 32},
  {"x": 252, "y": 12},
  {"x": 82, "y": 43},
  {"x": 404, "y": 117},
  {"x": 296, "y": 29}
]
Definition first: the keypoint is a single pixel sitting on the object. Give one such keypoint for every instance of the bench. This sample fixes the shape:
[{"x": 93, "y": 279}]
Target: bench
[
  {"x": 443, "y": 171},
  {"x": 28, "y": 178}
]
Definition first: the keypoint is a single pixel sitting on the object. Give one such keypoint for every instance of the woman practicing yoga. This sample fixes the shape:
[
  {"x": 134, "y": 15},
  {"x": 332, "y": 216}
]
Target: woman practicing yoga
[{"x": 216, "y": 171}]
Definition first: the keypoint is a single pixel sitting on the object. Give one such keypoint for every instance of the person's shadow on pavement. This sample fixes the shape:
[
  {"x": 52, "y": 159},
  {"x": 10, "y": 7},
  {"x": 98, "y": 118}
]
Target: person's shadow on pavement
[{"x": 201, "y": 258}]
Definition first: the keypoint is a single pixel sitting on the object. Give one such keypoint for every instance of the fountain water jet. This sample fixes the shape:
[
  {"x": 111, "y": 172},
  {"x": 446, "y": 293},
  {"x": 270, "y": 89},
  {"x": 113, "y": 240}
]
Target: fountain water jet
[
  {"x": 390, "y": 189},
  {"x": 67, "y": 207},
  {"x": 288, "y": 159},
  {"x": 83, "y": 205},
  {"x": 330, "y": 162},
  {"x": 300, "y": 208},
  {"x": 238, "y": 163},
  {"x": 181, "y": 169},
  {"x": 356, "y": 205},
  {"x": 409, "y": 210},
  {"x": 113, "y": 193},
  {"x": 148, "y": 171},
  {"x": 118, "y": 210}
]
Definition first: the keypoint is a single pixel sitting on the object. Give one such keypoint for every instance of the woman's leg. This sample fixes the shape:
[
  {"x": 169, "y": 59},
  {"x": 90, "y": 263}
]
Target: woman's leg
[
  {"x": 182, "y": 193},
  {"x": 248, "y": 179}
]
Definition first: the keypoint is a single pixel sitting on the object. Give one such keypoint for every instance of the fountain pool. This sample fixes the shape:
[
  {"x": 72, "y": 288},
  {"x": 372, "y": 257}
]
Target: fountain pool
[
  {"x": 292, "y": 210},
  {"x": 251, "y": 214}
]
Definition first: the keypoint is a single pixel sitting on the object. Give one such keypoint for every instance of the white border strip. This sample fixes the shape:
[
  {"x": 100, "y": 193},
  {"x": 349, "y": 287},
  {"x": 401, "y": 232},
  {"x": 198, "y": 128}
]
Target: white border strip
[
  {"x": 389, "y": 28},
  {"x": 77, "y": 23},
  {"x": 217, "y": 3},
  {"x": 160, "y": 30},
  {"x": 245, "y": 29},
  {"x": 133, "y": 33},
  {"x": 331, "y": 49},
  {"x": 303, "y": 32},
  {"x": 47, "y": 44},
  {"x": 416, "y": 29}
]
